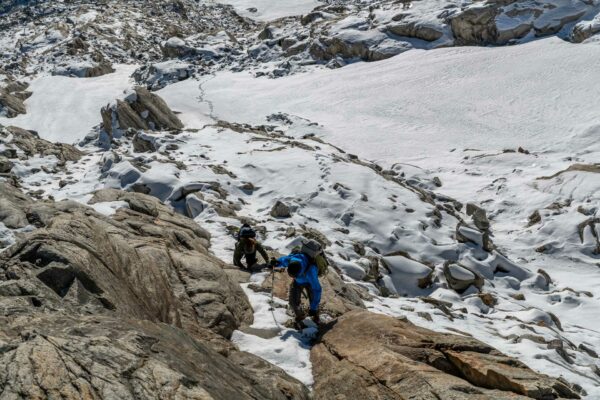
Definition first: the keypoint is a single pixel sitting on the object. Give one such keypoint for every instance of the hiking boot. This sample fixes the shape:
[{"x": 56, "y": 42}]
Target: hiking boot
[{"x": 299, "y": 325}]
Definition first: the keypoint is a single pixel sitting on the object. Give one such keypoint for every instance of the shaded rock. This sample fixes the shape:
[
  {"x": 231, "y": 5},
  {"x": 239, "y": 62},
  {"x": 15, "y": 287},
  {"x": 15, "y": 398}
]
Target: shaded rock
[
  {"x": 143, "y": 143},
  {"x": 11, "y": 104},
  {"x": 534, "y": 218},
  {"x": 402, "y": 361},
  {"x": 475, "y": 25},
  {"x": 5, "y": 165},
  {"x": 280, "y": 210},
  {"x": 460, "y": 277},
  {"x": 31, "y": 144},
  {"x": 478, "y": 216}
]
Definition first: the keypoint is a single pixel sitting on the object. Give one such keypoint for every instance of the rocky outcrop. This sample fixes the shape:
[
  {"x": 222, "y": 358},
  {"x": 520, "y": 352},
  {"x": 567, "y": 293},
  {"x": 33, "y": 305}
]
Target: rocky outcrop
[
  {"x": 32, "y": 145},
  {"x": 12, "y": 103},
  {"x": 131, "y": 306},
  {"x": 140, "y": 110},
  {"x": 84, "y": 357},
  {"x": 371, "y": 356},
  {"x": 415, "y": 30}
]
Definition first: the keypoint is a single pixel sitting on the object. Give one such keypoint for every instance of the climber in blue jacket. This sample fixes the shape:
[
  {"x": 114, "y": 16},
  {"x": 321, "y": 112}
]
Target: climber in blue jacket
[{"x": 305, "y": 274}]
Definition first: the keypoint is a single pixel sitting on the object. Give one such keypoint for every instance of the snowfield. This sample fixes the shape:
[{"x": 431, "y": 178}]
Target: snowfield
[
  {"x": 421, "y": 104},
  {"x": 64, "y": 109}
]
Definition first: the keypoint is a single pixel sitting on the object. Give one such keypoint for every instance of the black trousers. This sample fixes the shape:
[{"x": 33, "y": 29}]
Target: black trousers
[
  {"x": 250, "y": 259},
  {"x": 295, "y": 297}
]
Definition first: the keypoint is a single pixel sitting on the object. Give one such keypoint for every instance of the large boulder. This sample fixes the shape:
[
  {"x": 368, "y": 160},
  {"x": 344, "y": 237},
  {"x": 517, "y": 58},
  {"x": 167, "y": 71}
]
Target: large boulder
[
  {"x": 141, "y": 109},
  {"x": 371, "y": 356},
  {"x": 280, "y": 210},
  {"x": 475, "y": 25},
  {"x": 101, "y": 357},
  {"x": 460, "y": 278}
]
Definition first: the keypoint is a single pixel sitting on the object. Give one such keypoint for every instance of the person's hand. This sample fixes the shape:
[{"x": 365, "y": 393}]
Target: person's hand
[{"x": 272, "y": 263}]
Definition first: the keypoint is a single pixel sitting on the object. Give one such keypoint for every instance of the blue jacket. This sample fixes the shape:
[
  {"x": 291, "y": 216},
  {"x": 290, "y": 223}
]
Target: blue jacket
[{"x": 309, "y": 275}]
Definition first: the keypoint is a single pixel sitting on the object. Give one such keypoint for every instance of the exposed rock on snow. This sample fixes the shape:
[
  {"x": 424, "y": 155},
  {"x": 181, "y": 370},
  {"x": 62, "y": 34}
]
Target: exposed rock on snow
[
  {"x": 401, "y": 360},
  {"x": 460, "y": 278},
  {"x": 126, "y": 306},
  {"x": 11, "y": 102},
  {"x": 30, "y": 144},
  {"x": 281, "y": 210},
  {"x": 140, "y": 110}
]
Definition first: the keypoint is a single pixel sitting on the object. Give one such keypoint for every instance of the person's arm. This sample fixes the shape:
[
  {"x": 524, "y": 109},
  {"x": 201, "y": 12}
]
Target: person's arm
[
  {"x": 263, "y": 253},
  {"x": 313, "y": 280},
  {"x": 237, "y": 256},
  {"x": 282, "y": 262}
]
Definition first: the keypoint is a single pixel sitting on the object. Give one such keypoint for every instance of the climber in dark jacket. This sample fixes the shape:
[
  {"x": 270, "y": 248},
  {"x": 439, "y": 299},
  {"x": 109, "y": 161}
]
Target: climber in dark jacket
[
  {"x": 305, "y": 274},
  {"x": 246, "y": 247}
]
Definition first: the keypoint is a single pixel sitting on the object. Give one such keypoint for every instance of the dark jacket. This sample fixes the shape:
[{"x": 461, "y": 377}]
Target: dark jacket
[{"x": 243, "y": 248}]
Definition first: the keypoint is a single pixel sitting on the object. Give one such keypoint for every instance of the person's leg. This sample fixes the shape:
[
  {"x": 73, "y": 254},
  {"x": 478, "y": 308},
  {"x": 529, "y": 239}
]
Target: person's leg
[
  {"x": 313, "y": 314},
  {"x": 295, "y": 301},
  {"x": 250, "y": 261}
]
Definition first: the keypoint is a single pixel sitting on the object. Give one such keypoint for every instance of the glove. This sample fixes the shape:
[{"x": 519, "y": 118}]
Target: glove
[{"x": 272, "y": 263}]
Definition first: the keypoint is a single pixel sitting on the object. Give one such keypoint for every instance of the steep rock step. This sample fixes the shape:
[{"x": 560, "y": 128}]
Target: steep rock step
[{"x": 372, "y": 356}]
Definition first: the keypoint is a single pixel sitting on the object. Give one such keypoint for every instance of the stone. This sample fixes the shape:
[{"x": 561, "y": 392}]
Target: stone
[
  {"x": 415, "y": 29},
  {"x": 11, "y": 105},
  {"x": 32, "y": 145},
  {"x": 402, "y": 361},
  {"x": 459, "y": 277},
  {"x": 280, "y": 210},
  {"x": 5, "y": 165},
  {"x": 478, "y": 215},
  {"x": 143, "y": 143}
]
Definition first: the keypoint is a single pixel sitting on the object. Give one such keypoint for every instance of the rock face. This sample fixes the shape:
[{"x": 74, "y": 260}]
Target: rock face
[
  {"x": 124, "y": 307},
  {"x": 402, "y": 361},
  {"x": 31, "y": 145},
  {"x": 140, "y": 110}
]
